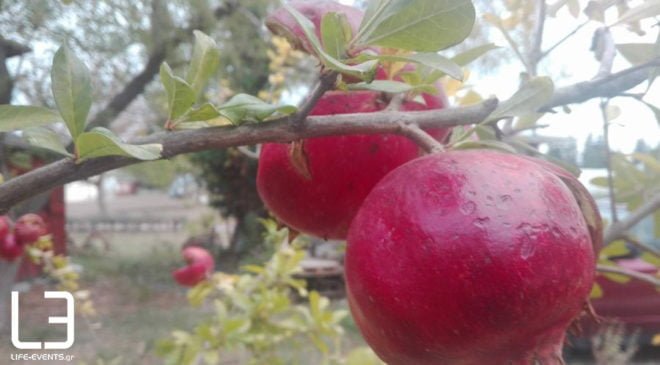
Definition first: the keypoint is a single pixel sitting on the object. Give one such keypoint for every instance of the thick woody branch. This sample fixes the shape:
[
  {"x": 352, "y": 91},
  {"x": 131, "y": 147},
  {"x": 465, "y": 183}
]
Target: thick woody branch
[
  {"x": 281, "y": 130},
  {"x": 619, "y": 229}
]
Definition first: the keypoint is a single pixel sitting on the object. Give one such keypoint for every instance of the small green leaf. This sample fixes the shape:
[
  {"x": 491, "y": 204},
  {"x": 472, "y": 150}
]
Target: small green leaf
[
  {"x": 648, "y": 9},
  {"x": 72, "y": 90},
  {"x": 486, "y": 144},
  {"x": 432, "y": 60},
  {"x": 636, "y": 53},
  {"x": 387, "y": 86},
  {"x": 596, "y": 291},
  {"x": 204, "y": 62},
  {"x": 615, "y": 249},
  {"x": 364, "y": 71},
  {"x": 362, "y": 356},
  {"x": 180, "y": 95},
  {"x": 655, "y": 110},
  {"x": 204, "y": 116},
  {"x": 528, "y": 99},
  {"x": 45, "y": 138},
  {"x": 14, "y": 117},
  {"x": 242, "y": 108},
  {"x": 336, "y": 32},
  {"x": 651, "y": 259},
  {"x": 472, "y": 54},
  {"x": 102, "y": 142},
  {"x": 417, "y": 25}
]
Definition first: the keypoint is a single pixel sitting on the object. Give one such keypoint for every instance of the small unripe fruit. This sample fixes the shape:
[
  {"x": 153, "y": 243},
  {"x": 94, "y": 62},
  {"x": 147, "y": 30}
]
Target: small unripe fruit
[
  {"x": 200, "y": 266},
  {"x": 29, "y": 228},
  {"x": 469, "y": 258}
]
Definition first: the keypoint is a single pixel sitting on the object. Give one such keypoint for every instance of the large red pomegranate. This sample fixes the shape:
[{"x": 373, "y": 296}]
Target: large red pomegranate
[
  {"x": 469, "y": 258},
  {"x": 340, "y": 170}
]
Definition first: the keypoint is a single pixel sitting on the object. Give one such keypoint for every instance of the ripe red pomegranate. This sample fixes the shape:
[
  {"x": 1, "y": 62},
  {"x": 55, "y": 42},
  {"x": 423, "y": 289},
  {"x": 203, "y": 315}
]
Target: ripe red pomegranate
[
  {"x": 341, "y": 170},
  {"x": 10, "y": 250},
  {"x": 200, "y": 266},
  {"x": 29, "y": 228},
  {"x": 469, "y": 258},
  {"x": 5, "y": 226}
]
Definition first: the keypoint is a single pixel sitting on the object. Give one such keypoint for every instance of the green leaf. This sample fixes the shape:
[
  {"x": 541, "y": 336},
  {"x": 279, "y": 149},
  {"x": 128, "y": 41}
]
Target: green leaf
[
  {"x": 637, "y": 53},
  {"x": 655, "y": 110},
  {"x": 617, "y": 278},
  {"x": 336, "y": 32},
  {"x": 102, "y": 142},
  {"x": 614, "y": 249},
  {"x": 596, "y": 291},
  {"x": 651, "y": 259},
  {"x": 14, "y": 117},
  {"x": 45, "y": 138},
  {"x": 362, "y": 356},
  {"x": 417, "y": 25},
  {"x": 180, "y": 95},
  {"x": 432, "y": 60},
  {"x": 243, "y": 107},
  {"x": 648, "y": 9},
  {"x": 486, "y": 144},
  {"x": 364, "y": 71},
  {"x": 387, "y": 86},
  {"x": 472, "y": 54},
  {"x": 528, "y": 99},
  {"x": 205, "y": 61},
  {"x": 72, "y": 90}
]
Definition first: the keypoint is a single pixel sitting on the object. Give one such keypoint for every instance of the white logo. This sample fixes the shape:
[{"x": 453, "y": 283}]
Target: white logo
[{"x": 68, "y": 320}]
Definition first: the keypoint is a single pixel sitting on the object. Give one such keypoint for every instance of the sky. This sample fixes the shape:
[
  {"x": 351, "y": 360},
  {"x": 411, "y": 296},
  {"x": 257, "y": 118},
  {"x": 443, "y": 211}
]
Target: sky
[{"x": 577, "y": 64}]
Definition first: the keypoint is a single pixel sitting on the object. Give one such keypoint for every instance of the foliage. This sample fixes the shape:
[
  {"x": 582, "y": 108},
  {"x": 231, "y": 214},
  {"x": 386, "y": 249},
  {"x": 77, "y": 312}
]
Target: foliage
[{"x": 255, "y": 311}]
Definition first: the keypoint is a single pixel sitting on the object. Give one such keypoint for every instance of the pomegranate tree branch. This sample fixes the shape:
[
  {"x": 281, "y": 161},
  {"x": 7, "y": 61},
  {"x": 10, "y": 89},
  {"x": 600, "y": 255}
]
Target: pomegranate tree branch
[
  {"x": 630, "y": 273},
  {"x": 423, "y": 139},
  {"x": 608, "y": 86},
  {"x": 280, "y": 130},
  {"x": 618, "y": 229},
  {"x": 326, "y": 82},
  {"x": 641, "y": 245}
]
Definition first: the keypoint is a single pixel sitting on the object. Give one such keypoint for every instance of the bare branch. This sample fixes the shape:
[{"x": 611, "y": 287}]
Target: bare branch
[
  {"x": 641, "y": 245},
  {"x": 325, "y": 83},
  {"x": 566, "y": 37},
  {"x": 608, "y": 156},
  {"x": 535, "y": 53},
  {"x": 633, "y": 274},
  {"x": 281, "y": 130},
  {"x": 609, "y": 86},
  {"x": 423, "y": 139},
  {"x": 618, "y": 230}
]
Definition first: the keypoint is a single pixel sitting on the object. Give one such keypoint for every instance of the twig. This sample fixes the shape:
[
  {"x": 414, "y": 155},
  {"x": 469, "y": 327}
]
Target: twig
[
  {"x": 608, "y": 158},
  {"x": 325, "y": 83},
  {"x": 249, "y": 153},
  {"x": 618, "y": 230},
  {"x": 535, "y": 52},
  {"x": 641, "y": 245},
  {"x": 630, "y": 273},
  {"x": 561, "y": 41},
  {"x": 280, "y": 130},
  {"x": 423, "y": 139}
]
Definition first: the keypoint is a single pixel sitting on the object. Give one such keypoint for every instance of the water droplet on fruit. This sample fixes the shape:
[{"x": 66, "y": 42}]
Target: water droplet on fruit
[
  {"x": 468, "y": 208},
  {"x": 481, "y": 222}
]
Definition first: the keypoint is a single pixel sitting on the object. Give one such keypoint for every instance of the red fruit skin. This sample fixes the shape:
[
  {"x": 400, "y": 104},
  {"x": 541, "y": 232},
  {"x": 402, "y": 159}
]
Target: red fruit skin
[
  {"x": 468, "y": 258},
  {"x": 282, "y": 23},
  {"x": 200, "y": 266},
  {"x": 343, "y": 169},
  {"x": 29, "y": 228},
  {"x": 5, "y": 226},
  {"x": 10, "y": 250}
]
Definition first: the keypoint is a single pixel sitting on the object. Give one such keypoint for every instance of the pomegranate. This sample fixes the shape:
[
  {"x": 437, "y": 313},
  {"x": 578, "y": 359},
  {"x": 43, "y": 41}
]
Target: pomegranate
[
  {"x": 29, "y": 228},
  {"x": 340, "y": 170},
  {"x": 469, "y": 258},
  {"x": 200, "y": 266},
  {"x": 10, "y": 250}
]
